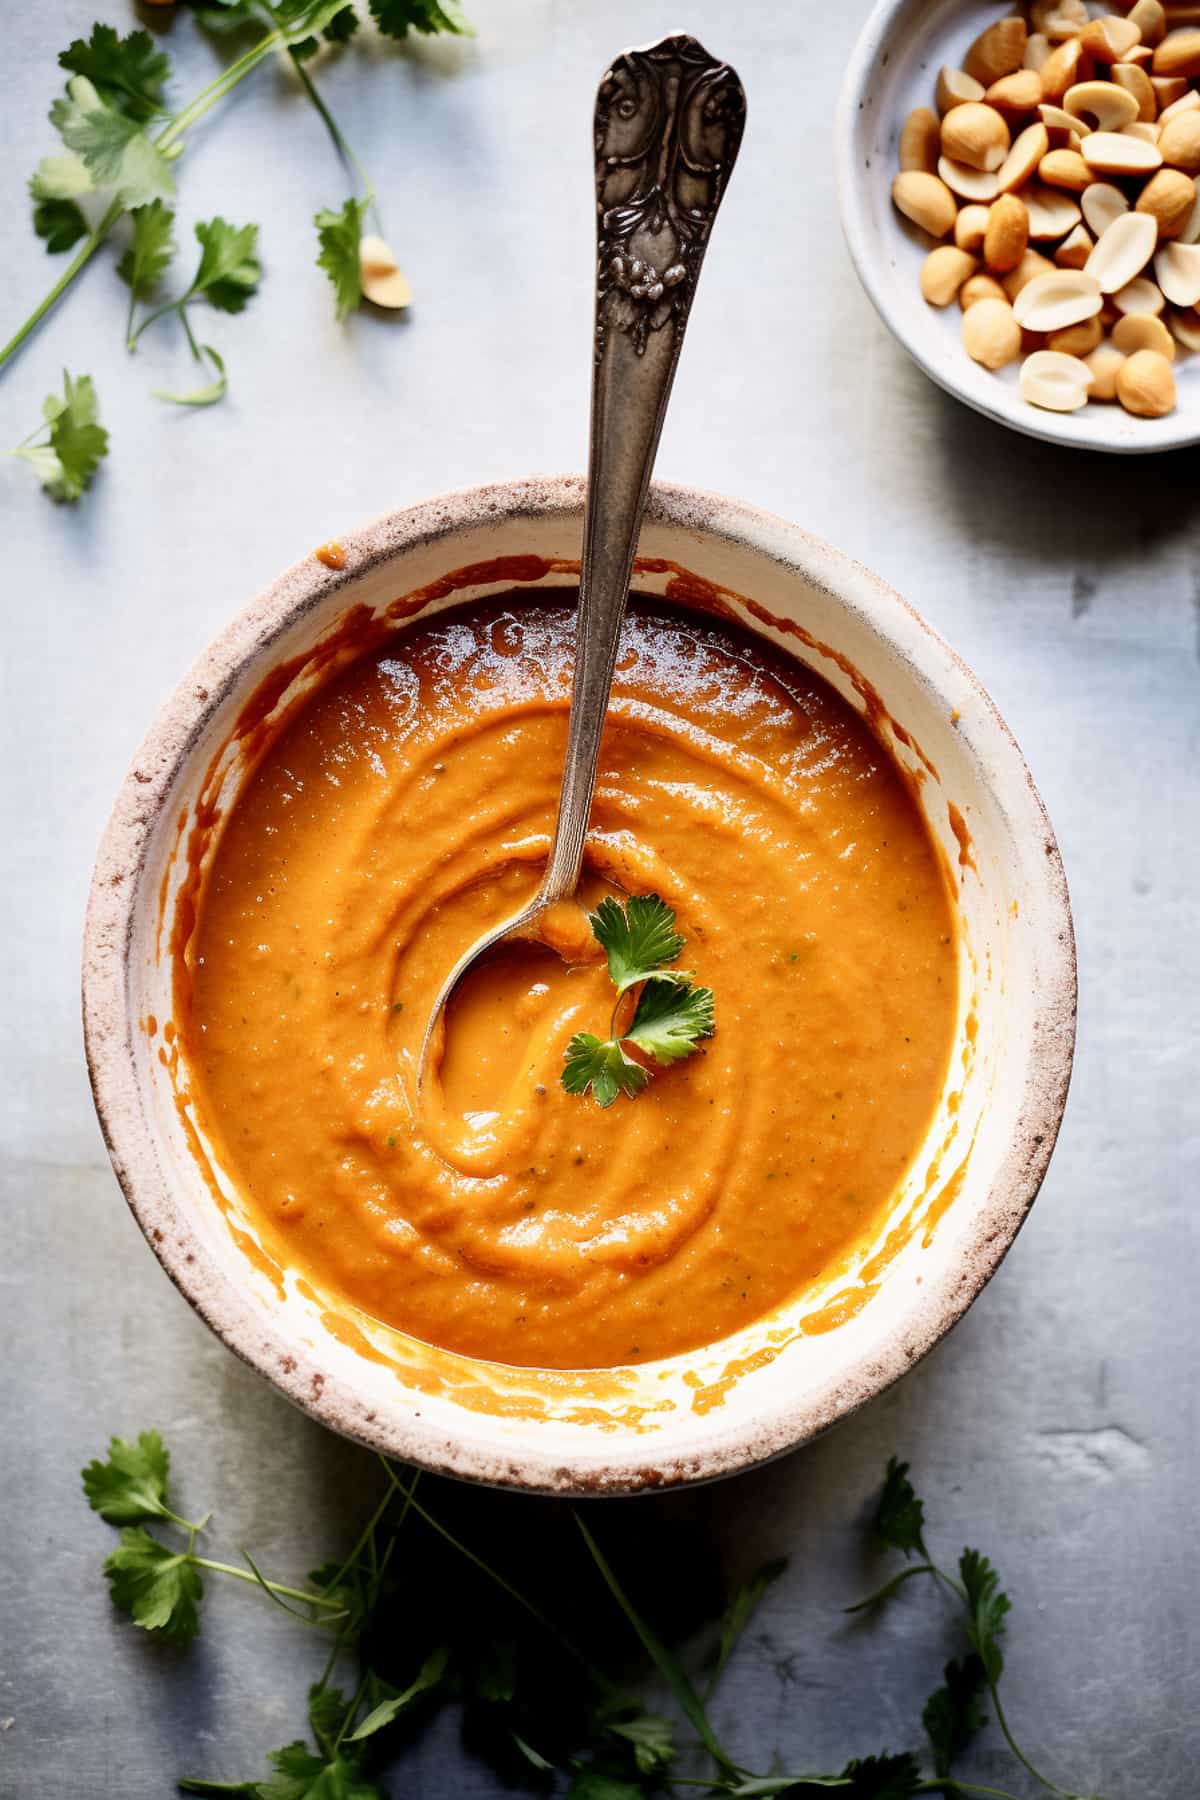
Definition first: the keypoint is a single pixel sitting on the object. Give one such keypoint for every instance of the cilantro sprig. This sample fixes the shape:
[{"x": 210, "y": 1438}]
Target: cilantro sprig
[
  {"x": 671, "y": 1015},
  {"x": 420, "y": 1636},
  {"x": 120, "y": 141},
  {"x": 67, "y": 448}
]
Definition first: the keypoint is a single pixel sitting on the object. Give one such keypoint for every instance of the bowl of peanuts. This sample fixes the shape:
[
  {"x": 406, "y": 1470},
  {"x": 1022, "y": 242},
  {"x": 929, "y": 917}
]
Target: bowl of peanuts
[{"x": 1020, "y": 192}]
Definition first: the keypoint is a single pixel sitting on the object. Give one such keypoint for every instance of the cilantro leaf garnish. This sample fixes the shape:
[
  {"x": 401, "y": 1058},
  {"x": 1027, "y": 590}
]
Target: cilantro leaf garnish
[
  {"x": 67, "y": 449},
  {"x": 670, "y": 1016},
  {"x": 883, "y": 1777},
  {"x": 954, "y": 1712},
  {"x": 342, "y": 27},
  {"x": 158, "y": 1587},
  {"x": 670, "y": 1020},
  {"x": 602, "y": 1065},
  {"x": 429, "y": 1676},
  {"x": 339, "y": 235},
  {"x": 396, "y": 18},
  {"x": 128, "y": 73},
  {"x": 60, "y": 223},
  {"x": 113, "y": 147},
  {"x": 639, "y": 938}
]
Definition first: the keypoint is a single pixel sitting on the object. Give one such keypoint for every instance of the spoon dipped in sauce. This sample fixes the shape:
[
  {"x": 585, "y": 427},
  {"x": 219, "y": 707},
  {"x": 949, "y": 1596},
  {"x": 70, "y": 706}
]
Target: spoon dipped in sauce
[{"x": 668, "y": 125}]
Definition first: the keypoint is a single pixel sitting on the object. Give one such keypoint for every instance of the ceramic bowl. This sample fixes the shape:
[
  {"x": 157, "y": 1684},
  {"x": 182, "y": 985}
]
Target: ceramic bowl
[
  {"x": 790, "y": 1376},
  {"x": 893, "y": 69}
]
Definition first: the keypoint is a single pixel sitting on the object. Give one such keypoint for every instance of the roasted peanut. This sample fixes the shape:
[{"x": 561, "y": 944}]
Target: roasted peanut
[
  {"x": 1142, "y": 331},
  {"x": 997, "y": 51},
  {"x": 943, "y": 273},
  {"x": 976, "y": 135},
  {"x": 920, "y": 140},
  {"x": 990, "y": 334},
  {"x": 925, "y": 200},
  {"x": 1007, "y": 234},
  {"x": 1168, "y": 197},
  {"x": 1145, "y": 384},
  {"x": 980, "y": 287}
]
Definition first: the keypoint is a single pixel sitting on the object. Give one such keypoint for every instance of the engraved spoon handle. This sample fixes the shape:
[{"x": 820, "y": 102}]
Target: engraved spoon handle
[{"x": 668, "y": 124}]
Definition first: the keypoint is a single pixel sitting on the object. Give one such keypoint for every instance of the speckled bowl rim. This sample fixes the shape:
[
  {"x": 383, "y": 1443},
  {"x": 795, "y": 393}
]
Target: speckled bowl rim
[
  {"x": 240, "y": 1323},
  {"x": 1088, "y": 430}
]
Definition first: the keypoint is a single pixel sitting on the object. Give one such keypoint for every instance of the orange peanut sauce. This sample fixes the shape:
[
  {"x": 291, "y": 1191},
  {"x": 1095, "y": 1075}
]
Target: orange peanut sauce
[{"x": 409, "y": 806}]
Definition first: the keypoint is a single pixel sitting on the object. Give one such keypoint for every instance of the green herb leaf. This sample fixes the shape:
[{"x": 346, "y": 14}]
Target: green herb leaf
[
  {"x": 199, "y": 396},
  {"x": 396, "y": 18},
  {"x": 298, "y": 19},
  {"x": 670, "y": 1021},
  {"x": 299, "y": 1775},
  {"x": 132, "y": 1483},
  {"x": 883, "y": 1777},
  {"x": 652, "y": 1737},
  {"x": 115, "y": 150},
  {"x": 640, "y": 938},
  {"x": 158, "y": 1587},
  {"x": 229, "y": 271},
  {"x": 430, "y": 1674},
  {"x": 766, "y": 1785},
  {"x": 955, "y": 1712},
  {"x": 149, "y": 255},
  {"x": 741, "y": 1610},
  {"x": 603, "y": 1066},
  {"x": 60, "y": 222},
  {"x": 61, "y": 177},
  {"x": 340, "y": 234},
  {"x": 900, "y": 1515},
  {"x": 986, "y": 1610},
  {"x": 686, "y": 1695},
  {"x": 128, "y": 73},
  {"x": 342, "y": 27},
  {"x": 67, "y": 458}
]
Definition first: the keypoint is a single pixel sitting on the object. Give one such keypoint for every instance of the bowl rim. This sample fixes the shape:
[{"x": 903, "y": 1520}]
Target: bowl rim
[
  {"x": 134, "y": 1149},
  {"x": 863, "y": 245}
]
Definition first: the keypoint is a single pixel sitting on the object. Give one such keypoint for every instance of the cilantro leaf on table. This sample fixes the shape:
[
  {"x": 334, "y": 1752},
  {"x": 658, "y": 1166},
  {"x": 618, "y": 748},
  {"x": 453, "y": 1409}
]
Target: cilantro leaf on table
[
  {"x": 158, "y": 1587},
  {"x": 639, "y": 938},
  {"x": 652, "y": 1738},
  {"x": 602, "y": 1065},
  {"x": 298, "y": 1774},
  {"x": 60, "y": 223},
  {"x": 66, "y": 458},
  {"x": 986, "y": 1611},
  {"x": 900, "y": 1515},
  {"x": 149, "y": 255},
  {"x": 428, "y": 1677},
  {"x": 954, "y": 1712},
  {"x": 342, "y": 27},
  {"x": 670, "y": 1021},
  {"x": 590, "y": 1783},
  {"x": 128, "y": 73},
  {"x": 883, "y": 1777},
  {"x": 131, "y": 1484},
  {"x": 339, "y": 235},
  {"x": 55, "y": 187},
  {"x": 229, "y": 271},
  {"x": 206, "y": 395},
  {"x": 113, "y": 147},
  {"x": 396, "y": 18}
]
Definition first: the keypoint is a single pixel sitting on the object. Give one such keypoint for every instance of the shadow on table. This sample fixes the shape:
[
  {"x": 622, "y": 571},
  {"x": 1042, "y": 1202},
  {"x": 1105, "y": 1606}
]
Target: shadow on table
[{"x": 1048, "y": 504}]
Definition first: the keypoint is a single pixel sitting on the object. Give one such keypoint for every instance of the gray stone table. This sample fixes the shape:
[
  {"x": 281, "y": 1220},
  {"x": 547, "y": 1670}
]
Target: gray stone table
[{"x": 1057, "y": 1427}]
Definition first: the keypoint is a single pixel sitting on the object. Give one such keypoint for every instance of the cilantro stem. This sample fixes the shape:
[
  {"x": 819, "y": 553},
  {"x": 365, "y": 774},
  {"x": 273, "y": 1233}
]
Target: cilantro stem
[
  {"x": 681, "y": 1687},
  {"x": 82, "y": 256},
  {"x": 340, "y": 143},
  {"x": 169, "y": 136},
  {"x": 513, "y": 1593},
  {"x": 276, "y": 1587},
  {"x": 1050, "y": 1786}
]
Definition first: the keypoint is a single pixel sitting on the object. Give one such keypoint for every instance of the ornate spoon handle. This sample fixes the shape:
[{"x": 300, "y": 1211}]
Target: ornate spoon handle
[{"x": 668, "y": 124}]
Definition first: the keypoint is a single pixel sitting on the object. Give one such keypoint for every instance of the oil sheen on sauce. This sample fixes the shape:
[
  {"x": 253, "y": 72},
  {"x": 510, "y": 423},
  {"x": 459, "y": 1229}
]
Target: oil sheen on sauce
[{"x": 408, "y": 807}]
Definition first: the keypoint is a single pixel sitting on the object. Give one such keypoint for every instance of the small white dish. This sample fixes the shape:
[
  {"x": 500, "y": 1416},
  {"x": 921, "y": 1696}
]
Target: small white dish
[{"x": 892, "y": 70}]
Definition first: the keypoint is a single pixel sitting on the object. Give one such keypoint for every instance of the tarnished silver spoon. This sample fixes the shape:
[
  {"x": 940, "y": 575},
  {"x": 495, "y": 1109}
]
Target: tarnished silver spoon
[{"x": 668, "y": 124}]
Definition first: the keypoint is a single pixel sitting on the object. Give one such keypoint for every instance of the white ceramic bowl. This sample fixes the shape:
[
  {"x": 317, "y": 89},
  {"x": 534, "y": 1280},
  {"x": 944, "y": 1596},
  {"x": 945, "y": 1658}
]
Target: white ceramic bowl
[
  {"x": 790, "y": 1376},
  {"x": 893, "y": 69}
]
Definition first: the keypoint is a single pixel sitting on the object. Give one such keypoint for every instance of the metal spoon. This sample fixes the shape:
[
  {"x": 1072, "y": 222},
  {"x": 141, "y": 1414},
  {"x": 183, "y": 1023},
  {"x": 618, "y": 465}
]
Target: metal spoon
[{"x": 668, "y": 124}]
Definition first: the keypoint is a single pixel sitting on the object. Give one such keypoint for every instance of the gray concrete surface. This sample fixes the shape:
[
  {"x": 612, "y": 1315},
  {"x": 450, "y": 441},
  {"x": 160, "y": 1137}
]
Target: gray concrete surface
[{"x": 1057, "y": 1427}]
